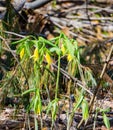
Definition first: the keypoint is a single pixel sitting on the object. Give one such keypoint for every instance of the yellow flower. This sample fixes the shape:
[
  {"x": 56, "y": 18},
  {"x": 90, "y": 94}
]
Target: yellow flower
[
  {"x": 48, "y": 58},
  {"x": 36, "y": 55},
  {"x": 63, "y": 49},
  {"x": 38, "y": 111},
  {"x": 69, "y": 57},
  {"x": 22, "y": 53}
]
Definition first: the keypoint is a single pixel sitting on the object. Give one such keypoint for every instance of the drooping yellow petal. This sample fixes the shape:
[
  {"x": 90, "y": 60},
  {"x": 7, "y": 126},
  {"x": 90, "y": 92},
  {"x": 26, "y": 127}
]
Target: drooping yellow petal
[
  {"x": 69, "y": 57},
  {"x": 63, "y": 49},
  {"x": 36, "y": 55},
  {"x": 38, "y": 110},
  {"x": 48, "y": 58},
  {"x": 22, "y": 53}
]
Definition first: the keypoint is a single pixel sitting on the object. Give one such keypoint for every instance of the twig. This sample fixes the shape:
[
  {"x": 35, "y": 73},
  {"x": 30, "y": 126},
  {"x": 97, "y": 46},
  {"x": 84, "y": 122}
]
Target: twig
[
  {"x": 13, "y": 33},
  {"x": 12, "y": 52},
  {"x": 87, "y": 12},
  {"x": 91, "y": 18},
  {"x": 36, "y": 4},
  {"x": 68, "y": 76},
  {"x": 54, "y": 19}
]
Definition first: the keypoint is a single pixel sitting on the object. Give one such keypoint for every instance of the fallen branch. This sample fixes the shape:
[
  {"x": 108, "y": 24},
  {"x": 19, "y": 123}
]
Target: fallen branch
[{"x": 36, "y": 4}]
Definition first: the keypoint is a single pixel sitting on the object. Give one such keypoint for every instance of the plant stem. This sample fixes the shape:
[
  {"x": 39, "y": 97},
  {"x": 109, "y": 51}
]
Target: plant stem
[{"x": 58, "y": 74}]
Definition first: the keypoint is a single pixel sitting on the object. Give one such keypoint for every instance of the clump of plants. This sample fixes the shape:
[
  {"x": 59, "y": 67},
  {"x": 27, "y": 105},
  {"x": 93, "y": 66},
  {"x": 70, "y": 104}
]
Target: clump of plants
[{"x": 50, "y": 71}]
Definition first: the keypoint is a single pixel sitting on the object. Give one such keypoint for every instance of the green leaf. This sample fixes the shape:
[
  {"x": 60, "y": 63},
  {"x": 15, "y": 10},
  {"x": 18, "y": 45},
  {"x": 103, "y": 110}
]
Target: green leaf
[
  {"x": 106, "y": 121},
  {"x": 78, "y": 103},
  {"x": 75, "y": 44},
  {"x": 48, "y": 108},
  {"x": 85, "y": 109},
  {"x": 54, "y": 109},
  {"x": 70, "y": 47},
  {"x": 37, "y": 103},
  {"x": 55, "y": 49},
  {"x": 89, "y": 77},
  {"x": 28, "y": 91},
  {"x": 28, "y": 48},
  {"x": 105, "y": 110},
  {"x": 41, "y": 39},
  {"x": 21, "y": 41}
]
